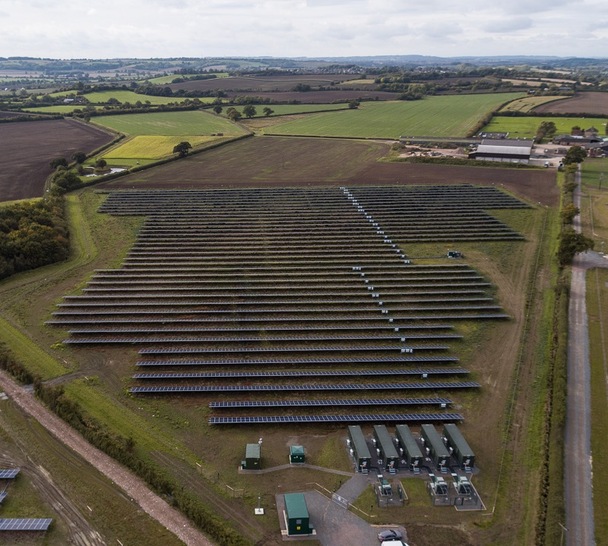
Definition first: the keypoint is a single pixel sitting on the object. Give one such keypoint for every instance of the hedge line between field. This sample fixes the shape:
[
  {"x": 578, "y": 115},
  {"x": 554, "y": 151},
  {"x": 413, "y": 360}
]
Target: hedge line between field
[
  {"x": 464, "y": 162},
  {"x": 124, "y": 451},
  {"x": 552, "y": 509},
  {"x": 533, "y": 114}
]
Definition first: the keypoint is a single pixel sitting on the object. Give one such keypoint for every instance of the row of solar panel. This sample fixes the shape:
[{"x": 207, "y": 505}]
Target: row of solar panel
[
  {"x": 348, "y": 270},
  {"x": 280, "y": 349},
  {"x": 431, "y": 385},
  {"x": 9, "y": 473},
  {"x": 25, "y": 524},
  {"x": 308, "y": 360},
  {"x": 302, "y": 373},
  {"x": 276, "y": 318},
  {"x": 265, "y": 337},
  {"x": 347, "y": 418},
  {"x": 444, "y": 402}
]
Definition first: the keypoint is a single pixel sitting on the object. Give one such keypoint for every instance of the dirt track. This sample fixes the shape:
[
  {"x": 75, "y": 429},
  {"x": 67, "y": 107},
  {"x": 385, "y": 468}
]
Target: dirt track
[{"x": 134, "y": 487}]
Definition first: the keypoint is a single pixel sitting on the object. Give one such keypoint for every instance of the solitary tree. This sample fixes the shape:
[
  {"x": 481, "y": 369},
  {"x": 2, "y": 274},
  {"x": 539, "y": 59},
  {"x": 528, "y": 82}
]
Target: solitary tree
[
  {"x": 268, "y": 111},
  {"x": 182, "y": 148},
  {"x": 217, "y": 109},
  {"x": 249, "y": 110}
]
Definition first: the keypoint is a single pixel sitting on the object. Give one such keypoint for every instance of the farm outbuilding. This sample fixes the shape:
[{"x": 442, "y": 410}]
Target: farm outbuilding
[
  {"x": 359, "y": 449},
  {"x": 437, "y": 450},
  {"x": 297, "y": 518},
  {"x": 253, "y": 457},
  {"x": 296, "y": 454},
  {"x": 411, "y": 452},
  {"x": 461, "y": 449},
  {"x": 504, "y": 150}
]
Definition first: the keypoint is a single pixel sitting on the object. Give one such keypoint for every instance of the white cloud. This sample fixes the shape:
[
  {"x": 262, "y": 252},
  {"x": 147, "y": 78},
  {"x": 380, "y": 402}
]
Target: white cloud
[{"x": 157, "y": 28}]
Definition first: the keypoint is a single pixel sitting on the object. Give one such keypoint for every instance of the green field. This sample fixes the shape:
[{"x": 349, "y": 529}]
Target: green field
[
  {"x": 171, "y": 124},
  {"x": 148, "y": 148},
  {"x": 444, "y": 116},
  {"x": 123, "y": 95},
  {"x": 56, "y": 109},
  {"x": 526, "y": 127}
]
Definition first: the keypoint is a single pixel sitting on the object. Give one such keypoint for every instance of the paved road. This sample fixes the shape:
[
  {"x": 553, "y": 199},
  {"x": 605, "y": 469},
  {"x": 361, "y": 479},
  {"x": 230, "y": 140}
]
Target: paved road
[
  {"x": 151, "y": 503},
  {"x": 577, "y": 458}
]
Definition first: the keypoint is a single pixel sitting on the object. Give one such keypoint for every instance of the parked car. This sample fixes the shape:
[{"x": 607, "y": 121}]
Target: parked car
[{"x": 390, "y": 534}]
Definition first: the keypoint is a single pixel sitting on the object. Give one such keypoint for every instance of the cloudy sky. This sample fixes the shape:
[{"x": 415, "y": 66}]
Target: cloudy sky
[{"x": 308, "y": 28}]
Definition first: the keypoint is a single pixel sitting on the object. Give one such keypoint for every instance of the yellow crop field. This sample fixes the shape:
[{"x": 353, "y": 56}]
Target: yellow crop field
[{"x": 152, "y": 146}]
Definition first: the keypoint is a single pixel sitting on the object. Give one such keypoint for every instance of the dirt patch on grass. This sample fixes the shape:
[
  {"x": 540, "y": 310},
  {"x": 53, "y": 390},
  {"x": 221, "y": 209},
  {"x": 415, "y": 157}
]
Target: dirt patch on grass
[{"x": 29, "y": 147}]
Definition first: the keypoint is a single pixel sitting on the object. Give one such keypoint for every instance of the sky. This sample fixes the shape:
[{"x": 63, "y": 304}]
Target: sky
[{"x": 302, "y": 28}]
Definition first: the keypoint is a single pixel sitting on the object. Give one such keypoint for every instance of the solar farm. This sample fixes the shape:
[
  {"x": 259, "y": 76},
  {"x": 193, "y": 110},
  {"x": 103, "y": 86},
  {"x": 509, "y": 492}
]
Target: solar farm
[{"x": 263, "y": 299}]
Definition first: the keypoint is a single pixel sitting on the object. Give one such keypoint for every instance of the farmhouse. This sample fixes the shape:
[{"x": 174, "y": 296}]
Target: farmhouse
[{"x": 504, "y": 149}]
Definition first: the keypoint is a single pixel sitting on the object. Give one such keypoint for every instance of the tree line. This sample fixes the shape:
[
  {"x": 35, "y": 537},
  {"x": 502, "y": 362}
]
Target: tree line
[{"x": 33, "y": 234}]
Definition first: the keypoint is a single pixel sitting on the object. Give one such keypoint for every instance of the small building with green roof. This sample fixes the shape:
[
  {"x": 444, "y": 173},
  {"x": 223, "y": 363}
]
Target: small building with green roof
[
  {"x": 253, "y": 457},
  {"x": 296, "y": 454},
  {"x": 296, "y": 515}
]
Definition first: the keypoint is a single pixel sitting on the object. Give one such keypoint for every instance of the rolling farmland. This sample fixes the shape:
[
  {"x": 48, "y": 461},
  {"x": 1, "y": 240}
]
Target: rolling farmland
[{"x": 433, "y": 116}]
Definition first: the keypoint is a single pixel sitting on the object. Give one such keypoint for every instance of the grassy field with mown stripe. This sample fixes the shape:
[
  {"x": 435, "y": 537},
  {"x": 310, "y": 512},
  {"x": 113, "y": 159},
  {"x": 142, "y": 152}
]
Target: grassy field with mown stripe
[
  {"x": 443, "y": 116},
  {"x": 171, "y": 124}
]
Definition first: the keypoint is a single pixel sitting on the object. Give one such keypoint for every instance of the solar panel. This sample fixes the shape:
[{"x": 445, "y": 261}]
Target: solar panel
[
  {"x": 302, "y": 373},
  {"x": 303, "y": 388},
  {"x": 25, "y": 524},
  {"x": 403, "y": 359},
  {"x": 356, "y": 418},
  {"x": 331, "y": 402},
  {"x": 9, "y": 473}
]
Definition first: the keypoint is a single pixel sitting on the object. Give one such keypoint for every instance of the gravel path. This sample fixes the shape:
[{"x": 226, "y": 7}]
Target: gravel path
[
  {"x": 151, "y": 503},
  {"x": 577, "y": 458}
]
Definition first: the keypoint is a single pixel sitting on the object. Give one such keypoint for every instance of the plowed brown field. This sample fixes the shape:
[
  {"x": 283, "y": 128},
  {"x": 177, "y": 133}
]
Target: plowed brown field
[
  {"x": 276, "y": 161},
  {"x": 28, "y": 148},
  {"x": 581, "y": 103}
]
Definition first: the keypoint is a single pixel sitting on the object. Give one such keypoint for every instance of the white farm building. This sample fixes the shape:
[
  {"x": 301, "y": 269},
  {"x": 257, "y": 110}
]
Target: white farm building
[{"x": 504, "y": 149}]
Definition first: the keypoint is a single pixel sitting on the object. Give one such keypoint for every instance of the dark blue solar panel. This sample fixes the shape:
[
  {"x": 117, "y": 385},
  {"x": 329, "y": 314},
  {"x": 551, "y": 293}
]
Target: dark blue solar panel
[
  {"x": 303, "y": 373},
  {"x": 331, "y": 402},
  {"x": 25, "y": 524},
  {"x": 9, "y": 473},
  {"x": 304, "y": 388},
  {"x": 402, "y": 359},
  {"x": 356, "y": 418}
]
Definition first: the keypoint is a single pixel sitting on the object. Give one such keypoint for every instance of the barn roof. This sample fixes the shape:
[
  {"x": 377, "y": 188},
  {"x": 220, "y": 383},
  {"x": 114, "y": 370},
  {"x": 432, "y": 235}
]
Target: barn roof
[{"x": 503, "y": 150}]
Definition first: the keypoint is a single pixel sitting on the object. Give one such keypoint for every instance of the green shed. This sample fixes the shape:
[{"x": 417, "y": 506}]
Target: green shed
[
  {"x": 253, "y": 457},
  {"x": 296, "y": 515},
  {"x": 296, "y": 454}
]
